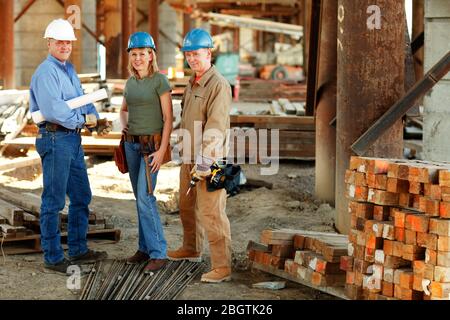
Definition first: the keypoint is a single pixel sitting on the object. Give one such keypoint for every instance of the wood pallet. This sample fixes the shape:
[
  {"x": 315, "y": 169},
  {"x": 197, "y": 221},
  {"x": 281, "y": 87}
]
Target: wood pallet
[{"x": 32, "y": 243}]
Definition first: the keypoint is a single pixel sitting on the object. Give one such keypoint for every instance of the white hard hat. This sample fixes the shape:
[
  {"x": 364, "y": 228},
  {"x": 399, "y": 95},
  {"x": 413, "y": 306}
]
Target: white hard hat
[{"x": 60, "y": 29}]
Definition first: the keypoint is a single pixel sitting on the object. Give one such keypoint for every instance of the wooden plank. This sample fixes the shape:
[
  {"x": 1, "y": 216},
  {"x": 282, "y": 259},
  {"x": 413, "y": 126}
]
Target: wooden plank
[
  {"x": 334, "y": 291},
  {"x": 16, "y": 163},
  {"x": 12, "y": 214}
]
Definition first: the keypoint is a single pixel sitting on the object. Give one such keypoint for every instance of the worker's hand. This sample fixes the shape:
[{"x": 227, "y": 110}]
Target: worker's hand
[
  {"x": 200, "y": 171},
  {"x": 157, "y": 159},
  {"x": 103, "y": 127},
  {"x": 90, "y": 120},
  {"x": 125, "y": 130}
]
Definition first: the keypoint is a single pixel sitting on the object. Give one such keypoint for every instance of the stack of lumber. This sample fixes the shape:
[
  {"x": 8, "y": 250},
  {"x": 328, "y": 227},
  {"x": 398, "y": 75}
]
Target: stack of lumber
[
  {"x": 91, "y": 145},
  {"x": 312, "y": 258},
  {"x": 20, "y": 225},
  {"x": 263, "y": 136},
  {"x": 283, "y": 107},
  {"x": 267, "y": 90},
  {"x": 400, "y": 229}
]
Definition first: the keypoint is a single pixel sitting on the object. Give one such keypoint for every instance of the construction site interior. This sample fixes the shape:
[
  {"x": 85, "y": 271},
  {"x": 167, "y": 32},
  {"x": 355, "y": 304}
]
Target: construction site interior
[{"x": 339, "y": 120}]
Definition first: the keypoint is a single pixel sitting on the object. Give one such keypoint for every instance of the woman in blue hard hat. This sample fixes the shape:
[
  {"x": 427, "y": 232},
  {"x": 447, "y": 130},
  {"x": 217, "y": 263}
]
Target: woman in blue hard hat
[{"x": 146, "y": 118}]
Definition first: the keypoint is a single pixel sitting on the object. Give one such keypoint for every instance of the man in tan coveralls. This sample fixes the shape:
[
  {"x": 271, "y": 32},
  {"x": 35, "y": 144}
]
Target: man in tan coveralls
[{"x": 206, "y": 105}]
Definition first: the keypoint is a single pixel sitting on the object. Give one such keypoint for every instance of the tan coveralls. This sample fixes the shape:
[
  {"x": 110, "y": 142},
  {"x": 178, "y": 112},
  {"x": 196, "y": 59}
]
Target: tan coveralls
[{"x": 206, "y": 102}]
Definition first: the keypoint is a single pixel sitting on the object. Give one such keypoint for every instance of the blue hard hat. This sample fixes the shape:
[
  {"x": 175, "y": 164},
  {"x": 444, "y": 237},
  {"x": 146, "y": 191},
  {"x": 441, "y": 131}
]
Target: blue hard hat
[
  {"x": 196, "y": 39},
  {"x": 140, "y": 40}
]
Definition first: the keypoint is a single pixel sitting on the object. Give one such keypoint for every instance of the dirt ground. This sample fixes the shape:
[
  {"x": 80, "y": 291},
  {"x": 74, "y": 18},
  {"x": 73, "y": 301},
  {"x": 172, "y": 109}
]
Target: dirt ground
[{"x": 290, "y": 204}]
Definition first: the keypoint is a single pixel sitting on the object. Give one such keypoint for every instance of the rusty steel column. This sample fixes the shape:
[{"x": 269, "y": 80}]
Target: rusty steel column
[
  {"x": 370, "y": 79},
  {"x": 153, "y": 21},
  {"x": 77, "y": 46},
  {"x": 7, "y": 79},
  {"x": 128, "y": 28},
  {"x": 187, "y": 21},
  {"x": 109, "y": 30},
  {"x": 326, "y": 106},
  {"x": 417, "y": 29}
]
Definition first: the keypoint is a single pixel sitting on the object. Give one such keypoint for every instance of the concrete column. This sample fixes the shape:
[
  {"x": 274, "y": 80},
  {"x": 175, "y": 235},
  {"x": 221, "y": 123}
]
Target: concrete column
[
  {"x": 326, "y": 106},
  {"x": 7, "y": 79},
  {"x": 370, "y": 78},
  {"x": 436, "y": 104}
]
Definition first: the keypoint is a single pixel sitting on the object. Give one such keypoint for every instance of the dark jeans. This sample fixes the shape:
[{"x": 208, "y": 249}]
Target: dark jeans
[{"x": 64, "y": 174}]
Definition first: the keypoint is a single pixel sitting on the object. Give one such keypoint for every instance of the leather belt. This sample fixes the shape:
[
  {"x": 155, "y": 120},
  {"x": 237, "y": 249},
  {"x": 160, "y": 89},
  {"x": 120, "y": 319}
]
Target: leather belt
[
  {"x": 52, "y": 127},
  {"x": 131, "y": 138}
]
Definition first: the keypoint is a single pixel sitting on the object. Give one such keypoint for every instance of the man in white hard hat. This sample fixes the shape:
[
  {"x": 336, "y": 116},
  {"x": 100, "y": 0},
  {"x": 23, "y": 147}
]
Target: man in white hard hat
[{"x": 59, "y": 145}]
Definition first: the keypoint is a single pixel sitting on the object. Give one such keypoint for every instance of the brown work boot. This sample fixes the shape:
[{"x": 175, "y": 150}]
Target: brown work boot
[
  {"x": 183, "y": 254},
  {"x": 154, "y": 265},
  {"x": 90, "y": 256},
  {"x": 138, "y": 257},
  {"x": 217, "y": 275}
]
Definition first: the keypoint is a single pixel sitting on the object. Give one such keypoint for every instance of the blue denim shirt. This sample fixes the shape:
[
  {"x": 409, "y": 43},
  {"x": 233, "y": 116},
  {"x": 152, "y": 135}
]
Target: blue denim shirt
[{"x": 53, "y": 83}]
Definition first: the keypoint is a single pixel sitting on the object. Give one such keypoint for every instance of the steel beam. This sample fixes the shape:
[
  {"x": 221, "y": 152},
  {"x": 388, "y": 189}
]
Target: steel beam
[
  {"x": 153, "y": 20},
  {"x": 313, "y": 57},
  {"x": 326, "y": 106},
  {"x": 7, "y": 79},
  {"x": 128, "y": 28},
  {"x": 417, "y": 31}
]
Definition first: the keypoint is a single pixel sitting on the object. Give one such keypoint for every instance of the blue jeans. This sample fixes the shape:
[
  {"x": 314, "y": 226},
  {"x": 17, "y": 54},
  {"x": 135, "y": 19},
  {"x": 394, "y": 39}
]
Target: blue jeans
[
  {"x": 151, "y": 234},
  {"x": 64, "y": 174}
]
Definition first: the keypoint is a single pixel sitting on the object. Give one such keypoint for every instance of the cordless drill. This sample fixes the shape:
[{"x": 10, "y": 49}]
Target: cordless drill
[{"x": 194, "y": 180}]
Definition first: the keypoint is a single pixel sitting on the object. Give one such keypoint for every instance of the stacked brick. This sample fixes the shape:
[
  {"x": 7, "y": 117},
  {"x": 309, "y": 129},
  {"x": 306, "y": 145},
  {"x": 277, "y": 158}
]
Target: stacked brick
[
  {"x": 399, "y": 241},
  {"x": 311, "y": 257}
]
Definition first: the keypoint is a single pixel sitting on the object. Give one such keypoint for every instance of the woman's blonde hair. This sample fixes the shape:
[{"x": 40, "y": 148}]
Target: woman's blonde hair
[{"x": 152, "y": 66}]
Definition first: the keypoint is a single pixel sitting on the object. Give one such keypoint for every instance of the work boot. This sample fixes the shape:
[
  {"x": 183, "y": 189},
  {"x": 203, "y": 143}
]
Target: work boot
[
  {"x": 59, "y": 267},
  {"x": 183, "y": 254},
  {"x": 217, "y": 275},
  {"x": 154, "y": 265},
  {"x": 138, "y": 257},
  {"x": 91, "y": 256}
]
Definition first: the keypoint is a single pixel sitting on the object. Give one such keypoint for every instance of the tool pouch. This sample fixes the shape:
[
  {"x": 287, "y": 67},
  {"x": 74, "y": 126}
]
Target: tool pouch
[
  {"x": 119, "y": 156},
  {"x": 147, "y": 145}
]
